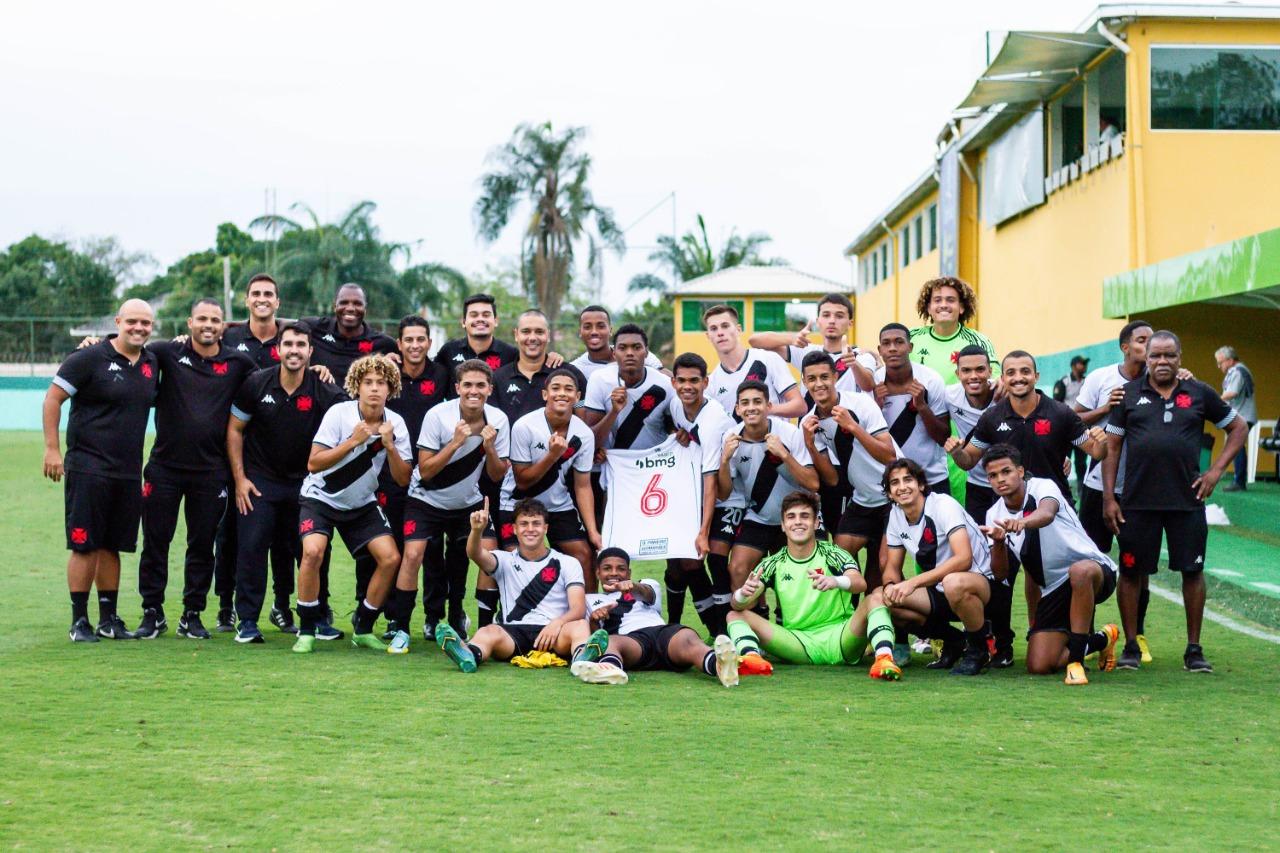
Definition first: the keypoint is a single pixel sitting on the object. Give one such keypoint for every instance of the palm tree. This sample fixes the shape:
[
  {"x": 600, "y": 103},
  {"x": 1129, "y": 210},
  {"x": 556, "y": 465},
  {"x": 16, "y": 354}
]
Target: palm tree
[
  {"x": 691, "y": 256},
  {"x": 317, "y": 257},
  {"x": 548, "y": 172},
  {"x": 437, "y": 288}
]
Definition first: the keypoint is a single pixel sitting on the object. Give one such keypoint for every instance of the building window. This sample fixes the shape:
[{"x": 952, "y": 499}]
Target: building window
[
  {"x": 1215, "y": 88},
  {"x": 904, "y": 243},
  {"x": 933, "y": 227},
  {"x": 884, "y": 259},
  {"x": 778, "y": 315},
  {"x": 691, "y": 312},
  {"x": 917, "y": 227}
]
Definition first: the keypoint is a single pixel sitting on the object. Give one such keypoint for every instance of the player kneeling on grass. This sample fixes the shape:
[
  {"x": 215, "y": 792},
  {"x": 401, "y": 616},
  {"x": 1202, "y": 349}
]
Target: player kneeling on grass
[
  {"x": 632, "y": 633},
  {"x": 815, "y": 582},
  {"x": 1034, "y": 526},
  {"x": 541, "y": 590},
  {"x": 354, "y": 441},
  {"x": 955, "y": 582}
]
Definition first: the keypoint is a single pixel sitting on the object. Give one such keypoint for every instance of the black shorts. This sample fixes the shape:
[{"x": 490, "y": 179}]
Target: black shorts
[
  {"x": 598, "y": 496},
  {"x": 522, "y": 636},
  {"x": 724, "y": 523},
  {"x": 940, "y": 615},
  {"x": 562, "y": 526},
  {"x": 423, "y": 522},
  {"x": 763, "y": 537},
  {"x": 653, "y": 642},
  {"x": 832, "y": 501},
  {"x": 358, "y": 527},
  {"x": 101, "y": 512},
  {"x": 866, "y": 521},
  {"x": 1053, "y": 613},
  {"x": 977, "y": 500},
  {"x": 1186, "y": 531},
  {"x": 1095, "y": 526}
]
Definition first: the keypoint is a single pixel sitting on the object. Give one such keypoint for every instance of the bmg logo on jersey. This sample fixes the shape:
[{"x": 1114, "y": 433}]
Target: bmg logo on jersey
[{"x": 664, "y": 461}]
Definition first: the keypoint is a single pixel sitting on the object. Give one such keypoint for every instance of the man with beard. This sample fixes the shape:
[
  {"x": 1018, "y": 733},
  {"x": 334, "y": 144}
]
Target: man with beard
[
  {"x": 275, "y": 413},
  {"x": 198, "y": 380}
]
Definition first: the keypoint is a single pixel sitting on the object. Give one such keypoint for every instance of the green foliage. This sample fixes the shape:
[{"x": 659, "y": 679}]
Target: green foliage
[
  {"x": 44, "y": 278},
  {"x": 691, "y": 255},
  {"x": 547, "y": 173}
]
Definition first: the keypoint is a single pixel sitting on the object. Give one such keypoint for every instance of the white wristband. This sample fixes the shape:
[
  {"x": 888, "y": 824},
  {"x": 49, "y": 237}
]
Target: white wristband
[
  {"x": 739, "y": 597},
  {"x": 844, "y": 582}
]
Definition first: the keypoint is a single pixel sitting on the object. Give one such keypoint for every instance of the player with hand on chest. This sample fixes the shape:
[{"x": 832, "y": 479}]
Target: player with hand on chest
[{"x": 762, "y": 460}]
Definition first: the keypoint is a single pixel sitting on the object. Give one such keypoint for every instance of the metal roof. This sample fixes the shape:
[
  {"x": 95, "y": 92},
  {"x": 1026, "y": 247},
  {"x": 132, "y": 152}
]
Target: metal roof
[
  {"x": 1030, "y": 66},
  {"x": 752, "y": 280},
  {"x": 920, "y": 189},
  {"x": 1013, "y": 82}
]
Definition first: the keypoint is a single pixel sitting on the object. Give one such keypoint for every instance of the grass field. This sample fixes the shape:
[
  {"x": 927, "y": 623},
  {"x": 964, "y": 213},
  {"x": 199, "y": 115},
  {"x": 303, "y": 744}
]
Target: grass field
[{"x": 178, "y": 744}]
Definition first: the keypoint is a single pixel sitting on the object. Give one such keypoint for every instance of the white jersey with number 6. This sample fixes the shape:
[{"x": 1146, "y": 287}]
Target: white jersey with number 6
[{"x": 655, "y": 501}]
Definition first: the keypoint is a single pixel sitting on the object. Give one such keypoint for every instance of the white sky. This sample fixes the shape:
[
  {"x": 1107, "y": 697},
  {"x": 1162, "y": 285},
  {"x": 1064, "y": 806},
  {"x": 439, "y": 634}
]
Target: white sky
[{"x": 156, "y": 121}]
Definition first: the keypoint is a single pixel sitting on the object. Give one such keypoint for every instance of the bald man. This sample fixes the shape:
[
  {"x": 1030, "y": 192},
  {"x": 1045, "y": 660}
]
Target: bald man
[{"x": 112, "y": 386}]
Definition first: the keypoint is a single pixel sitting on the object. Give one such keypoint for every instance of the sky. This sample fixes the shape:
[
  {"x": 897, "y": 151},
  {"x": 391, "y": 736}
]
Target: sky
[{"x": 153, "y": 122}]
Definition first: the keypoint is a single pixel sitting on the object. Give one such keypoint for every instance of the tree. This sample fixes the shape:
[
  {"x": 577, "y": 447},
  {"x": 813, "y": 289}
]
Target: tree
[
  {"x": 43, "y": 278},
  {"x": 691, "y": 255},
  {"x": 548, "y": 173},
  {"x": 316, "y": 257},
  {"x": 655, "y": 317}
]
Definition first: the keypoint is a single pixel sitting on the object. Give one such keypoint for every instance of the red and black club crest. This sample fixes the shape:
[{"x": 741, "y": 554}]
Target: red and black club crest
[
  {"x": 275, "y": 353},
  {"x": 1042, "y": 426},
  {"x": 146, "y": 371},
  {"x": 382, "y": 498},
  {"x": 147, "y": 489},
  {"x": 303, "y": 404},
  {"x": 1128, "y": 560},
  {"x": 79, "y": 535},
  {"x": 306, "y": 526},
  {"x": 647, "y": 402},
  {"x": 493, "y": 361},
  {"x": 927, "y": 535},
  {"x": 410, "y": 527},
  {"x": 220, "y": 368},
  {"x": 549, "y": 574},
  {"x": 427, "y": 387},
  {"x": 1182, "y": 401},
  {"x": 508, "y": 530},
  {"x": 365, "y": 347}
]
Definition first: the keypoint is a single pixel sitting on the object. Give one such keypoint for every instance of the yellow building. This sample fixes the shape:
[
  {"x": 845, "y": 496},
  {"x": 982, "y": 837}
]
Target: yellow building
[
  {"x": 768, "y": 299},
  {"x": 1127, "y": 169}
]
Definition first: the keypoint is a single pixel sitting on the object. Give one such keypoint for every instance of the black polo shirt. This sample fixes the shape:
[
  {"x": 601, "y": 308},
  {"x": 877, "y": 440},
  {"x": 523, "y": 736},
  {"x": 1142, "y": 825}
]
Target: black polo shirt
[
  {"x": 1162, "y": 441},
  {"x": 111, "y": 401},
  {"x": 337, "y": 353},
  {"x": 417, "y": 395},
  {"x": 1045, "y": 437},
  {"x": 456, "y": 351},
  {"x": 277, "y": 439},
  {"x": 239, "y": 337},
  {"x": 192, "y": 405}
]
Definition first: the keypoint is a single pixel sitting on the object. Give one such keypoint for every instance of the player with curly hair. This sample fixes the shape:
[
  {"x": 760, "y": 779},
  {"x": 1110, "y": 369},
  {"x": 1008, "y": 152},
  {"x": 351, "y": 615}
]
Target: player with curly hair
[{"x": 355, "y": 440}]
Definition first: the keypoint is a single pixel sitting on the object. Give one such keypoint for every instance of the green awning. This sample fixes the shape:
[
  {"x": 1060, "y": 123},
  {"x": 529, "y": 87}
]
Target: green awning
[
  {"x": 1030, "y": 66},
  {"x": 1244, "y": 272}
]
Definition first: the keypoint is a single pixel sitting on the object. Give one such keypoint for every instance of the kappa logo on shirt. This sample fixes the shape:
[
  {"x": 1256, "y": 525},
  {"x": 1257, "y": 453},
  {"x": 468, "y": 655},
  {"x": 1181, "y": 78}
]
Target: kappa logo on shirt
[
  {"x": 459, "y": 357},
  {"x": 242, "y": 348},
  {"x": 330, "y": 338},
  {"x": 744, "y": 458},
  {"x": 1004, "y": 428},
  {"x": 186, "y": 361},
  {"x": 723, "y": 390},
  {"x": 539, "y": 446},
  {"x": 113, "y": 366},
  {"x": 267, "y": 398},
  {"x": 1143, "y": 401},
  {"x": 512, "y": 387}
]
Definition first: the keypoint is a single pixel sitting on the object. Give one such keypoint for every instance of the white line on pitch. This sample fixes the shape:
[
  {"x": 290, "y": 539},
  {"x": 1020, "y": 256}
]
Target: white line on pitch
[{"x": 1224, "y": 621}]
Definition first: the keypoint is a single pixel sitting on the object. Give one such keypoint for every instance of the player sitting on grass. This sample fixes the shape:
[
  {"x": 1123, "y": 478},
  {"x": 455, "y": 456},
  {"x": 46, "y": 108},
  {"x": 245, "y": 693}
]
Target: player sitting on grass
[
  {"x": 354, "y": 441},
  {"x": 954, "y": 584},
  {"x": 1034, "y": 526},
  {"x": 814, "y": 582},
  {"x": 542, "y": 592},
  {"x": 629, "y": 614}
]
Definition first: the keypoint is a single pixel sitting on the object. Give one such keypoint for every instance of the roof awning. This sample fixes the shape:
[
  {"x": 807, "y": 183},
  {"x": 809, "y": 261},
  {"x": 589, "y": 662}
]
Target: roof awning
[
  {"x": 1244, "y": 272},
  {"x": 1032, "y": 65}
]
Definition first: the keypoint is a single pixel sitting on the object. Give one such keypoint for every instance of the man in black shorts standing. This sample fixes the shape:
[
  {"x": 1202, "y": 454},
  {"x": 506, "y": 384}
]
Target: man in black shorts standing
[
  {"x": 1158, "y": 426},
  {"x": 341, "y": 338},
  {"x": 111, "y": 385},
  {"x": 199, "y": 377},
  {"x": 273, "y": 417}
]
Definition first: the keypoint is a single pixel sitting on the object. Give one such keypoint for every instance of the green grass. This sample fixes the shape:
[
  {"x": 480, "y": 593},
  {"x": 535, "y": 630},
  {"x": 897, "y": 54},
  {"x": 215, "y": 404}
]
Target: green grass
[{"x": 174, "y": 743}]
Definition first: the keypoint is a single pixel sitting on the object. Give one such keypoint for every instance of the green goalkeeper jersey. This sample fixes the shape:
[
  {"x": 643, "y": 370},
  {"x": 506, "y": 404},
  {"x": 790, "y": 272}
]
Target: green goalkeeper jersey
[
  {"x": 940, "y": 353},
  {"x": 803, "y": 607}
]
